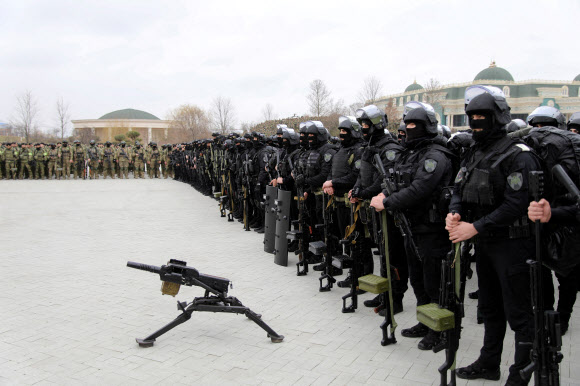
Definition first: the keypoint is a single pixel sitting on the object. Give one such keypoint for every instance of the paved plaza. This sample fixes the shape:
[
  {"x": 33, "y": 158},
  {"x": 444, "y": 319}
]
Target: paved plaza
[{"x": 71, "y": 309}]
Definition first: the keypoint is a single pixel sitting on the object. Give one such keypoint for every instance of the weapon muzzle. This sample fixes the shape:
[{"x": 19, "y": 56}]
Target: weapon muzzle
[{"x": 144, "y": 267}]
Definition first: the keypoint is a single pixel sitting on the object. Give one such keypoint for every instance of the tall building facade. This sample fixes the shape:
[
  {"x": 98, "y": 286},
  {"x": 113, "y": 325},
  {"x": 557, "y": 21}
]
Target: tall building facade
[{"x": 522, "y": 96}]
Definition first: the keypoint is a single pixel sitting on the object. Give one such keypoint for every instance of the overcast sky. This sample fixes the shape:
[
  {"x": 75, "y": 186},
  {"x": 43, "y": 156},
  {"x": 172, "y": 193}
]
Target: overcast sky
[{"x": 102, "y": 56}]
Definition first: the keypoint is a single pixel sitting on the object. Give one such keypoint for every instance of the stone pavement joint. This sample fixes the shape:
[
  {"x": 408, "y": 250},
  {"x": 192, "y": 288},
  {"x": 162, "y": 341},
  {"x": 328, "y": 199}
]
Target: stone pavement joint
[{"x": 71, "y": 309}]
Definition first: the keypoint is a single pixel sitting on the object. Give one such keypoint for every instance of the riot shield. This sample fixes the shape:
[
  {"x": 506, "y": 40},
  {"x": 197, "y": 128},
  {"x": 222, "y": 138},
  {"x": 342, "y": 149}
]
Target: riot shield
[
  {"x": 270, "y": 218},
  {"x": 282, "y": 225}
]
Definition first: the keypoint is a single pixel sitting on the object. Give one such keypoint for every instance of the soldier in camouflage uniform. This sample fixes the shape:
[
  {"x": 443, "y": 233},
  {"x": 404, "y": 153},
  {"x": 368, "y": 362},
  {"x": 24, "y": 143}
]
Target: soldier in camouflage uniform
[
  {"x": 139, "y": 156},
  {"x": 79, "y": 159},
  {"x": 109, "y": 158},
  {"x": 124, "y": 159},
  {"x": 54, "y": 157},
  {"x": 95, "y": 157},
  {"x": 26, "y": 157},
  {"x": 164, "y": 160},
  {"x": 153, "y": 160},
  {"x": 2, "y": 158},
  {"x": 11, "y": 156},
  {"x": 67, "y": 159},
  {"x": 40, "y": 156}
]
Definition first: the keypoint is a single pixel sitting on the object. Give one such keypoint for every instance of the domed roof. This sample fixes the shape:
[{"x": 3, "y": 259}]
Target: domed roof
[
  {"x": 494, "y": 72},
  {"x": 577, "y": 78},
  {"x": 413, "y": 87},
  {"x": 129, "y": 114}
]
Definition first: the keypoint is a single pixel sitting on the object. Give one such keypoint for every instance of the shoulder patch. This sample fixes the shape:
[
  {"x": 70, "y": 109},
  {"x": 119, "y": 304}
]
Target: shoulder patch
[
  {"x": 523, "y": 147},
  {"x": 391, "y": 155},
  {"x": 265, "y": 159},
  {"x": 515, "y": 180},
  {"x": 327, "y": 157},
  {"x": 460, "y": 175},
  {"x": 357, "y": 163},
  {"x": 430, "y": 165}
]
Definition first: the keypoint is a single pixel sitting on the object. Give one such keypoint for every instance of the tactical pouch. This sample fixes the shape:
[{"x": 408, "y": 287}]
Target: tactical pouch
[{"x": 478, "y": 190}]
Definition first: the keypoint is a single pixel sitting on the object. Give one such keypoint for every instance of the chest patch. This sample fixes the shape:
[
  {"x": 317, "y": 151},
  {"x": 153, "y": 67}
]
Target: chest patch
[
  {"x": 515, "y": 181},
  {"x": 391, "y": 155},
  {"x": 430, "y": 165}
]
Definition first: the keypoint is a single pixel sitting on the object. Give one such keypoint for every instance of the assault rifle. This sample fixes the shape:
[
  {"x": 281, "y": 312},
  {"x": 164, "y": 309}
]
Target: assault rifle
[
  {"x": 216, "y": 298},
  {"x": 325, "y": 248},
  {"x": 400, "y": 219},
  {"x": 300, "y": 232},
  {"x": 545, "y": 350}
]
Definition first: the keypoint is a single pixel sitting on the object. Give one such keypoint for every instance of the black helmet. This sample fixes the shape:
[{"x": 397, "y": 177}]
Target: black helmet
[
  {"x": 515, "y": 125},
  {"x": 547, "y": 116},
  {"x": 291, "y": 136},
  {"x": 259, "y": 137},
  {"x": 350, "y": 124},
  {"x": 280, "y": 128},
  {"x": 422, "y": 114},
  {"x": 376, "y": 119},
  {"x": 153, "y": 143},
  {"x": 490, "y": 100},
  {"x": 574, "y": 122},
  {"x": 318, "y": 132}
]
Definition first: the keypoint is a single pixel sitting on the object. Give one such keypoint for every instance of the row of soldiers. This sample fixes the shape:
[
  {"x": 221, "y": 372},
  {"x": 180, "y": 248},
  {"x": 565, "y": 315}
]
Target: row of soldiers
[
  {"x": 452, "y": 198},
  {"x": 60, "y": 160}
]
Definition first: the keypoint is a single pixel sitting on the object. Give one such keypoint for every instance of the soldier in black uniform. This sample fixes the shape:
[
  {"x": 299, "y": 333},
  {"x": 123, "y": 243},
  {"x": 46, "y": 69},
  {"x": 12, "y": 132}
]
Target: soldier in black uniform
[
  {"x": 422, "y": 173},
  {"x": 374, "y": 122},
  {"x": 489, "y": 200},
  {"x": 343, "y": 175},
  {"x": 260, "y": 178}
]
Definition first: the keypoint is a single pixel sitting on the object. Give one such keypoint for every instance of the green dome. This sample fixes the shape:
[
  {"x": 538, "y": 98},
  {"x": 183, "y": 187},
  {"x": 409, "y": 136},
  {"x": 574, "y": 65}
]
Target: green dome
[
  {"x": 577, "y": 78},
  {"x": 129, "y": 114},
  {"x": 494, "y": 73},
  {"x": 414, "y": 87}
]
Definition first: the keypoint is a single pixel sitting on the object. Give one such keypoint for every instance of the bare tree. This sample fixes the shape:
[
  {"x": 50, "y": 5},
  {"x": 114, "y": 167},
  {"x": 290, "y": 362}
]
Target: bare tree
[
  {"x": 371, "y": 91},
  {"x": 319, "y": 100},
  {"x": 393, "y": 116},
  {"x": 246, "y": 127},
  {"x": 353, "y": 107},
  {"x": 268, "y": 112},
  {"x": 26, "y": 114},
  {"x": 62, "y": 117},
  {"x": 223, "y": 114},
  {"x": 189, "y": 122},
  {"x": 433, "y": 92}
]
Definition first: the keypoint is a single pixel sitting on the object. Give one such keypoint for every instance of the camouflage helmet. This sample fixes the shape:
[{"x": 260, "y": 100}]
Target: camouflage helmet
[{"x": 92, "y": 142}]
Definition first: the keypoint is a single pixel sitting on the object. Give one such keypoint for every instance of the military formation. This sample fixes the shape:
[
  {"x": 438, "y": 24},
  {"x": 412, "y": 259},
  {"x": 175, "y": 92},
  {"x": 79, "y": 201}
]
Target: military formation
[
  {"x": 64, "y": 160},
  {"x": 428, "y": 204}
]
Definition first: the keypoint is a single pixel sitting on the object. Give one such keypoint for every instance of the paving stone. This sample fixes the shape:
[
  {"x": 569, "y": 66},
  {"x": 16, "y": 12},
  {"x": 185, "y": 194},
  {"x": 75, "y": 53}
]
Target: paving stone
[{"x": 71, "y": 309}]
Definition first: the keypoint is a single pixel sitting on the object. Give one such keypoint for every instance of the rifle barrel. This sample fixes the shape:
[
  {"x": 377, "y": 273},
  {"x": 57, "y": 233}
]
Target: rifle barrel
[{"x": 144, "y": 267}]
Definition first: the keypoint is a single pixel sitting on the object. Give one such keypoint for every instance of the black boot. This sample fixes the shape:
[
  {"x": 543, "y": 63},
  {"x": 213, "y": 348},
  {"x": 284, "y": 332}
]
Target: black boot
[
  {"x": 417, "y": 331},
  {"x": 478, "y": 371},
  {"x": 375, "y": 302},
  {"x": 430, "y": 340},
  {"x": 347, "y": 282}
]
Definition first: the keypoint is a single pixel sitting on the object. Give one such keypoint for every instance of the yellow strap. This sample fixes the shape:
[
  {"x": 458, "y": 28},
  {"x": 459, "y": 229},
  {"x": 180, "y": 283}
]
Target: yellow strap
[
  {"x": 350, "y": 228},
  {"x": 330, "y": 201},
  {"x": 388, "y": 265}
]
